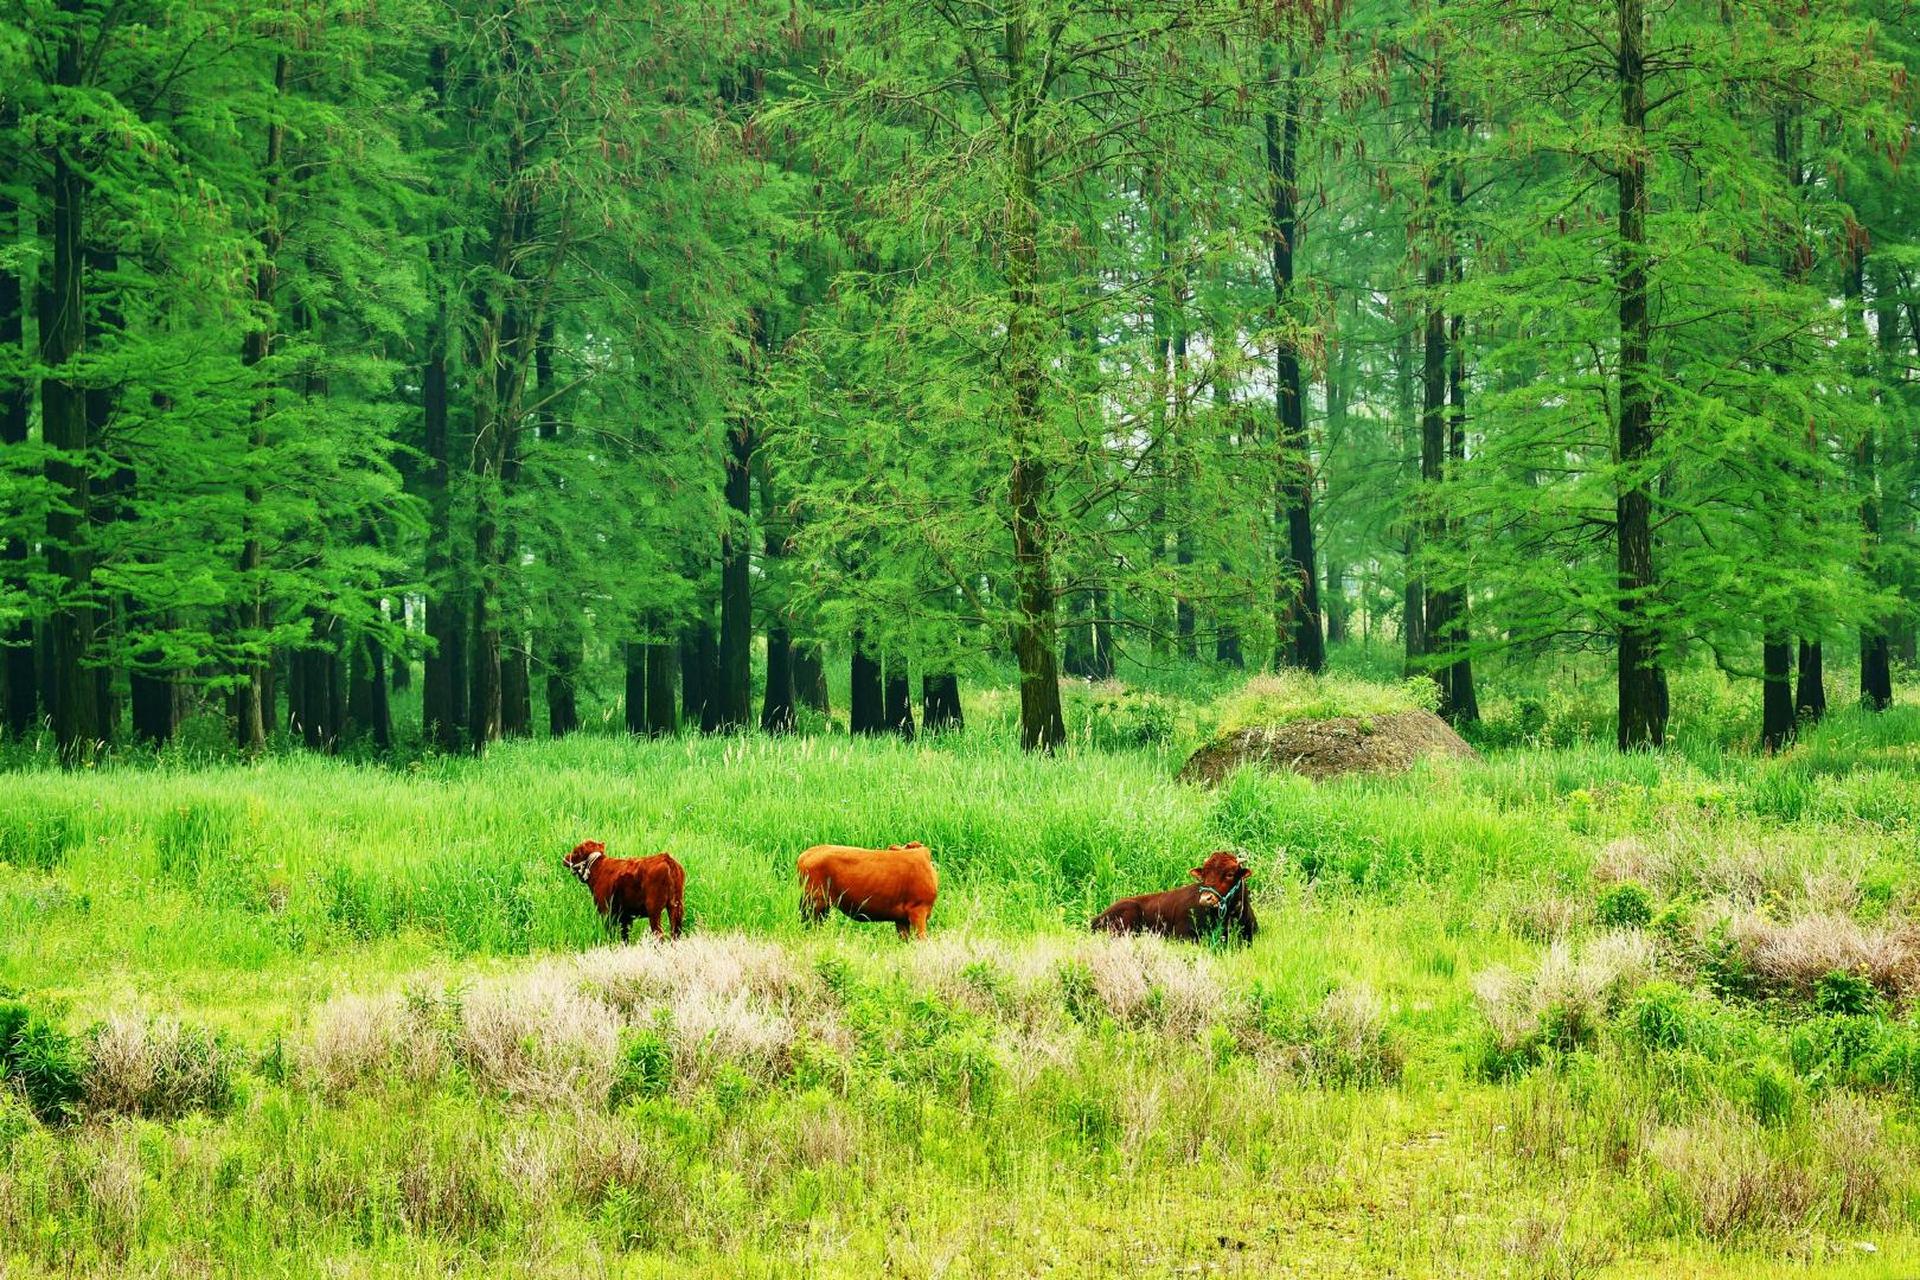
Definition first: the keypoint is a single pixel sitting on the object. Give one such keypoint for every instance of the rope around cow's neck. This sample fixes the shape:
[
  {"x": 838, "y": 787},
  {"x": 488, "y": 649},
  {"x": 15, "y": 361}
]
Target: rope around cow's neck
[
  {"x": 585, "y": 869},
  {"x": 1220, "y": 899}
]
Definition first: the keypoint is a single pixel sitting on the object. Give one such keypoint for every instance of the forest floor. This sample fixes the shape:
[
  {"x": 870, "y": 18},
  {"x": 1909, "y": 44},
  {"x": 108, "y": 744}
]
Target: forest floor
[{"x": 1554, "y": 1013}]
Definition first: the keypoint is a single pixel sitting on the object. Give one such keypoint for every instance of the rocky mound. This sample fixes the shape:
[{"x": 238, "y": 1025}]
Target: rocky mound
[{"x": 1390, "y": 743}]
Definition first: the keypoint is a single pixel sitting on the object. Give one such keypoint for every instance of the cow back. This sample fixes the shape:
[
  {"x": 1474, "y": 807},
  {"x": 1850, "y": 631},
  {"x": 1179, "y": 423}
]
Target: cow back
[{"x": 886, "y": 880}]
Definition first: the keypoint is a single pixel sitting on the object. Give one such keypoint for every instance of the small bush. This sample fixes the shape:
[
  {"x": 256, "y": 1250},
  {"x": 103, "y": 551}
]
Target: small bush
[
  {"x": 1077, "y": 993},
  {"x": 1626, "y": 905},
  {"x": 1770, "y": 1091},
  {"x": 1660, "y": 1019},
  {"x": 46, "y": 1064},
  {"x": 1845, "y": 993},
  {"x": 644, "y": 1067},
  {"x": 1130, "y": 718}
]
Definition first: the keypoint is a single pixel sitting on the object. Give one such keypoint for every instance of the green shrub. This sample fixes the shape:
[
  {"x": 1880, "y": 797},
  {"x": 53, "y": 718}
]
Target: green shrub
[
  {"x": 1770, "y": 1091},
  {"x": 1129, "y": 719},
  {"x": 1660, "y": 1018},
  {"x": 1845, "y": 993},
  {"x": 1724, "y": 965},
  {"x": 1569, "y": 1026},
  {"x": 1077, "y": 995},
  {"x": 46, "y": 1064},
  {"x": 644, "y": 1066},
  {"x": 13, "y": 1016},
  {"x": 1826, "y": 1049},
  {"x": 1497, "y": 1062},
  {"x": 1625, "y": 905}
]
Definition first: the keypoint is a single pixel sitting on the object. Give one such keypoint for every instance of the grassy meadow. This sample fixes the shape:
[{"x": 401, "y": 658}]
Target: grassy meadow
[{"x": 1556, "y": 1013}]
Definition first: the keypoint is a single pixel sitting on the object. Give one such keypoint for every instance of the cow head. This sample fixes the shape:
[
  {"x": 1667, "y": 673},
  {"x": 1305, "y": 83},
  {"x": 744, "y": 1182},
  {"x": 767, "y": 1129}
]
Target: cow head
[
  {"x": 1222, "y": 872},
  {"x": 584, "y": 857}
]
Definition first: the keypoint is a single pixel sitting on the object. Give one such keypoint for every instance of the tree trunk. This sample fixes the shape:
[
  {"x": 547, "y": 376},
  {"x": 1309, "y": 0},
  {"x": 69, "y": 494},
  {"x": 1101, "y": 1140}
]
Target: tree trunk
[
  {"x": 636, "y": 666},
  {"x": 1642, "y": 711},
  {"x": 699, "y": 673},
  {"x": 19, "y": 684},
  {"x": 1437, "y": 627},
  {"x": 359, "y": 688},
  {"x": 380, "y": 713},
  {"x": 1810, "y": 695},
  {"x": 153, "y": 698},
  {"x": 1465, "y": 701},
  {"x": 733, "y": 695},
  {"x": 1336, "y": 603},
  {"x": 251, "y": 712},
  {"x": 776, "y": 709},
  {"x": 1030, "y": 486},
  {"x": 1776, "y": 706},
  {"x": 898, "y": 712},
  {"x": 810, "y": 677},
  {"x": 660, "y": 673},
  {"x": 63, "y": 426},
  {"x": 1413, "y": 607},
  {"x": 865, "y": 701},
  {"x": 561, "y": 638},
  {"x": 1100, "y": 662},
  {"x": 443, "y": 708},
  {"x": 1876, "y": 651},
  {"x": 516, "y": 685},
  {"x": 1297, "y": 638},
  {"x": 940, "y": 703},
  {"x": 563, "y": 674}
]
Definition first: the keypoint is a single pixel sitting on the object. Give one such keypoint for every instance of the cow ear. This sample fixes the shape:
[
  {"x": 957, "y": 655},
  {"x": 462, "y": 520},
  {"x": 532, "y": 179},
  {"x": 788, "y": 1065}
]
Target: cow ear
[{"x": 1196, "y": 872}]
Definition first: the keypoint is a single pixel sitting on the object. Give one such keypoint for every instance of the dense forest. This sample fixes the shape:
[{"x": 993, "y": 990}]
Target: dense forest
[{"x": 676, "y": 349}]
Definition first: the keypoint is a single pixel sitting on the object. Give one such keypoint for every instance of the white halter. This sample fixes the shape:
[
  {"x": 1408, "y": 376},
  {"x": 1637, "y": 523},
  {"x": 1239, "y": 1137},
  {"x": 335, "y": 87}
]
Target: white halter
[{"x": 585, "y": 869}]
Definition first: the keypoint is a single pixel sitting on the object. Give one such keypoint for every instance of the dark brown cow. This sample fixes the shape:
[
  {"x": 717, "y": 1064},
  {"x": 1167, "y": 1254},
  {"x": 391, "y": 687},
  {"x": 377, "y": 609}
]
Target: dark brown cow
[
  {"x": 625, "y": 889},
  {"x": 896, "y": 884},
  {"x": 1218, "y": 903}
]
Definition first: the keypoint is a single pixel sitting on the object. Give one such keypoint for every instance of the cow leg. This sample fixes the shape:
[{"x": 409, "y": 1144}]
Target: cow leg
[
  {"x": 917, "y": 918},
  {"x": 675, "y": 914},
  {"x": 653, "y": 923},
  {"x": 626, "y": 925}
]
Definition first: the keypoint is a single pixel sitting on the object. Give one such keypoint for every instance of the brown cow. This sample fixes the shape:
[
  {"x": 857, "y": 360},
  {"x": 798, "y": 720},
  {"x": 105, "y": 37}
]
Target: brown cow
[
  {"x": 896, "y": 883},
  {"x": 626, "y": 888},
  {"x": 1217, "y": 904}
]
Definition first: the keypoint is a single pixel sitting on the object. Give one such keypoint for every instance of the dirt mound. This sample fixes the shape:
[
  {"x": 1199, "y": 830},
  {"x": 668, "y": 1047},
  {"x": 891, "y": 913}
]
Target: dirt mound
[{"x": 1318, "y": 749}]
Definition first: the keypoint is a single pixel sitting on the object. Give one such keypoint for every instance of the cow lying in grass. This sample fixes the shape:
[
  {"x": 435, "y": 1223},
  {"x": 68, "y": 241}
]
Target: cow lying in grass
[
  {"x": 1217, "y": 905},
  {"x": 625, "y": 889},
  {"x": 895, "y": 884}
]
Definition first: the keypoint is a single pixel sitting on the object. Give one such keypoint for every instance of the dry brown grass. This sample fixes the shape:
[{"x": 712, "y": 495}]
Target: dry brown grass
[
  {"x": 1723, "y": 1174},
  {"x": 155, "y": 1067},
  {"x": 1797, "y": 953},
  {"x": 550, "y": 1032},
  {"x": 1574, "y": 985},
  {"x": 1859, "y": 1166}
]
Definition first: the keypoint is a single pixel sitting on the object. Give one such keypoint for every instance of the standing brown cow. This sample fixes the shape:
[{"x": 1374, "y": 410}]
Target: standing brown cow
[
  {"x": 1218, "y": 903},
  {"x": 626, "y": 888},
  {"x": 896, "y": 884}
]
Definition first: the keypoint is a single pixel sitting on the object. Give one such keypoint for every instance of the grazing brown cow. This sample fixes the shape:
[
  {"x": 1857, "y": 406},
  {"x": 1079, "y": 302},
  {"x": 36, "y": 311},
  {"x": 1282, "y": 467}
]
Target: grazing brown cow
[
  {"x": 1217, "y": 904},
  {"x": 625, "y": 889},
  {"x": 896, "y": 883}
]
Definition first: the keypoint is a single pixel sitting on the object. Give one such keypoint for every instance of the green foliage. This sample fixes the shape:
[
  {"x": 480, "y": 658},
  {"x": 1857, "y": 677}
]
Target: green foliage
[
  {"x": 1661, "y": 1018},
  {"x": 1625, "y": 905},
  {"x": 644, "y": 1066},
  {"x": 1845, "y": 994},
  {"x": 45, "y": 1064}
]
